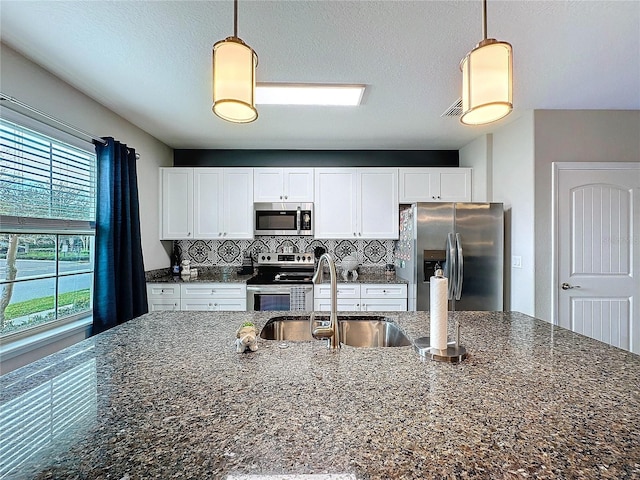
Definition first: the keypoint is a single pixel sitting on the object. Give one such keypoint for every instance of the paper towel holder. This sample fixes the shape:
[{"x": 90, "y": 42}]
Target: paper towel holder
[{"x": 454, "y": 353}]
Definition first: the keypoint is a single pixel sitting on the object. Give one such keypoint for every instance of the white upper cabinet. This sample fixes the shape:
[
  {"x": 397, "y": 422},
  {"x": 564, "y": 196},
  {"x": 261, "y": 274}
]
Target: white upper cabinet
[
  {"x": 207, "y": 190},
  {"x": 356, "y": 203},
  {"x": 283, "y": 184},
  {"x": 434, "y": 185},
  {"x": 176, "y": 200},
  {"x": 237, "y": 203},
  {"x": 206, "y": 203}
]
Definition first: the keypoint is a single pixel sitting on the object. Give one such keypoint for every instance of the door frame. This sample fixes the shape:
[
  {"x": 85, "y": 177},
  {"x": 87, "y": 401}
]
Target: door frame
[{"x": 555, "y": 218}]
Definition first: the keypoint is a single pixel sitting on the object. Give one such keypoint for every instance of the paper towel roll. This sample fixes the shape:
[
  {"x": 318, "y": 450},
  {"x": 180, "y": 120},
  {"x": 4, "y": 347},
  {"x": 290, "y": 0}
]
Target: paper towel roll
[{"x": 438, "y": 312}]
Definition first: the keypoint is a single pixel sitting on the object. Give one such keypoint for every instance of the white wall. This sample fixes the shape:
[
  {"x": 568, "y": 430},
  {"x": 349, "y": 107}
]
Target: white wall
[
  {"x": 573, "y": 136},
  {"x": 29, "y": 83},
  {"x": 512, "y": 184},
  {"x": 478, "y": 155}
]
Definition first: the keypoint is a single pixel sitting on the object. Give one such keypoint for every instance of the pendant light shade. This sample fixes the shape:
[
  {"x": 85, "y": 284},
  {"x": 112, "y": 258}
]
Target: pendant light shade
[
  {"x": 234, "y": 78},
  {"x": 487, "y": 81}
]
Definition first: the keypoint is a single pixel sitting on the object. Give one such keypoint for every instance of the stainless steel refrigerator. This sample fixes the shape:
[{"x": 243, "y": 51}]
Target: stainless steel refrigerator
[{"x": 465, "y": 240}]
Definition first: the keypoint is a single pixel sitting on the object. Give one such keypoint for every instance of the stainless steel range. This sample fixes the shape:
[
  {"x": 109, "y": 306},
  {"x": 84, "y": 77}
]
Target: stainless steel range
[{"x": 283, "y": 282}]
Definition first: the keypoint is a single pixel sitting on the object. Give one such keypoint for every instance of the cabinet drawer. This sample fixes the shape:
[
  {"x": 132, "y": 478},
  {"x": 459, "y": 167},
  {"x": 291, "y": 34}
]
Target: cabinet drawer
[
  {"x": 214, "y": 290},
  {"x": 213, "y": 305},
  {"x": 345, "y": 290},
  {"x": 383, "y": 290},
  {"x": 164, "y": 304},
  {"x": 163, "y": 290}
]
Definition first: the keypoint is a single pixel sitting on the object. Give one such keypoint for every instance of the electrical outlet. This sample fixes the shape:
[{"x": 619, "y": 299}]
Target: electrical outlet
[
  {"x": 516, "y": 261},
  {"x": 211, "y": 256}
]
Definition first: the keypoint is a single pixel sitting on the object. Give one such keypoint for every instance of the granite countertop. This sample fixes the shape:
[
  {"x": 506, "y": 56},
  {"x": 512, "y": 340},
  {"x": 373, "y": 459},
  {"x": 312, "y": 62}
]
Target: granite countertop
[
  {"x": 230, "y": 275},
  {"x": 205, "y": 275},
  {"x": 166, "y": 396}
]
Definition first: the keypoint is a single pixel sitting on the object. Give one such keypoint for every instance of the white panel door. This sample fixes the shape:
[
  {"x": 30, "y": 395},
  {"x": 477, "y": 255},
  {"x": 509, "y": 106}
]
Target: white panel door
[
  {"x": 454, "y": 185},
  {"x": 298, "y": 184},
  {"x": 268, "y": 185},
  {"x": 378, "y": 210},
  {"x": 176, "y": 193},
  {"x": 207, "y": 202},
  {"x": 598, "y": 227},
  {"x": 335, "y": 202},
  {"x": 237, "y": 203}
]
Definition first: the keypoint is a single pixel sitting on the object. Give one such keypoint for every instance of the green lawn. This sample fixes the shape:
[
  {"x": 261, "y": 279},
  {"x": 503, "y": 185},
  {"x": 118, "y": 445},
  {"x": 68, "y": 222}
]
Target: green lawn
[{"x": 21, "y": 309}]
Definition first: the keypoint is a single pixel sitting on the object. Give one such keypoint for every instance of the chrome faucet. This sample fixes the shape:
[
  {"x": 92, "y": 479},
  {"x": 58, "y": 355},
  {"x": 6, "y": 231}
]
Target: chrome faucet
[{"x": 331, "y": 331}]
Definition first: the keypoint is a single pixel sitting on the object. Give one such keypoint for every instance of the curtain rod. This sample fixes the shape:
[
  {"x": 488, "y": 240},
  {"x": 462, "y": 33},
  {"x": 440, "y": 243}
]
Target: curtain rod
[{"x": 53, "y": 119}]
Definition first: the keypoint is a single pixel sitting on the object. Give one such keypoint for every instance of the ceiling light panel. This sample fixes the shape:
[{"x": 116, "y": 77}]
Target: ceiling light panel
[{"x": 309, "y": 94}]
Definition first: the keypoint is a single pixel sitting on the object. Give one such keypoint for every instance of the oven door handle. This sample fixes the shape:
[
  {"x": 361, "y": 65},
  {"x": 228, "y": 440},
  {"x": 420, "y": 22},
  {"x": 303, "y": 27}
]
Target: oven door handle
[{"x": 278, "y": 289}]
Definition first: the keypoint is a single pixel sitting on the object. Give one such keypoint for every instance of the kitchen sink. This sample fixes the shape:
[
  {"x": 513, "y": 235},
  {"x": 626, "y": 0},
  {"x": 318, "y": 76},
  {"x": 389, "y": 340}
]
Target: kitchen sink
[{"x": 356, "y": 331}]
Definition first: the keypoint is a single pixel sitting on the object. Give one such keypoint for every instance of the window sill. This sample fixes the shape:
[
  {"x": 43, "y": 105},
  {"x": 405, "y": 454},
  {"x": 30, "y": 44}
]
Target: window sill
[{"x": 11, "y": 349}]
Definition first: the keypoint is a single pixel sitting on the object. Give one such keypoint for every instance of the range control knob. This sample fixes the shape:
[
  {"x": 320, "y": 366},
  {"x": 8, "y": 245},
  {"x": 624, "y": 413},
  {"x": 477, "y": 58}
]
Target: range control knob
[
  {"x": 262, "y": 257},
  {"x": 268, "y": 257},
  {"x": 298, "y": 258}
]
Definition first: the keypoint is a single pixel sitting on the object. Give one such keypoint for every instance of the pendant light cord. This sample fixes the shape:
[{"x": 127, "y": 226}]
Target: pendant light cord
[
  {"x": 484, "y": 19},
  {"x": 235, "y": 18}
]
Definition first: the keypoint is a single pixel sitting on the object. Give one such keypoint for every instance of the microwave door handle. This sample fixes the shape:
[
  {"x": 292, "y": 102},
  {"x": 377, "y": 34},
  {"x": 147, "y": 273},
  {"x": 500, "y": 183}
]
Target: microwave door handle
[{"x": 298, "y": 219}]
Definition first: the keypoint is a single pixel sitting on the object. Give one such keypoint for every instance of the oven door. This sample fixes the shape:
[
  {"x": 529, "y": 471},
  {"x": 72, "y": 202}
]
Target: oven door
[{"x": 261, "y": 298}]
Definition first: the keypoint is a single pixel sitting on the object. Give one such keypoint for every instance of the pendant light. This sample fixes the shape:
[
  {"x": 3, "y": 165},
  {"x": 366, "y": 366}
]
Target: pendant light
[
  {"x": 234, "y": 77},
  {"x": 487, "y": 79}
]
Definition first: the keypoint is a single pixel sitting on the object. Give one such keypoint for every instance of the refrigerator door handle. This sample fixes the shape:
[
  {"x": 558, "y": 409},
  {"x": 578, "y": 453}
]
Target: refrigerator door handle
[
  {"x": 460, "y": 264},
  {"x": 451, "y": 266}
]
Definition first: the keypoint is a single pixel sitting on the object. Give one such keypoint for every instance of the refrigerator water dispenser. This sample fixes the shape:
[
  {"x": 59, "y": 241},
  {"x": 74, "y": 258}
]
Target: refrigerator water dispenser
[{"x": 433, "y": 260}]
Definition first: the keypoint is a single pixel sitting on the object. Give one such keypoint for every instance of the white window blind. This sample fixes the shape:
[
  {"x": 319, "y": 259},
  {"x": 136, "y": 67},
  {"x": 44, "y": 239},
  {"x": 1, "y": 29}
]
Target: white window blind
[{"x": 42, "y": 178}]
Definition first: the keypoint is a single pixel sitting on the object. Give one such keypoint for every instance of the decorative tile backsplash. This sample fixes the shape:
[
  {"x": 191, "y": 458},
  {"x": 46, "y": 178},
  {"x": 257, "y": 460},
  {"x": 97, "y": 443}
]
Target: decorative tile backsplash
[{"x": 230, "y": 252}]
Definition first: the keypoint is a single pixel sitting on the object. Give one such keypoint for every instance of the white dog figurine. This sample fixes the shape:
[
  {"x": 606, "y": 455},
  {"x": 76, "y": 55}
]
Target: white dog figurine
[{"x": 246, "y": 337}]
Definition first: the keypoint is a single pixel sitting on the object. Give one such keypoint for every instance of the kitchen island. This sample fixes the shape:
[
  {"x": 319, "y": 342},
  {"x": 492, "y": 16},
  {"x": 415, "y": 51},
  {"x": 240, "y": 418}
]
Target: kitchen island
[{"x": 166, "y": 396}]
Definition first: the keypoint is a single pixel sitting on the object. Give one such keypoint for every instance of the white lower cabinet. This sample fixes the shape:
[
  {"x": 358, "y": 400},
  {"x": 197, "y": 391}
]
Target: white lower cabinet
[
  {"x": 197, "y": 297},
  {"x": 163, "y": 297},
  {"x": 365, "y": 297},
  {"x": 213, "y": 297}
]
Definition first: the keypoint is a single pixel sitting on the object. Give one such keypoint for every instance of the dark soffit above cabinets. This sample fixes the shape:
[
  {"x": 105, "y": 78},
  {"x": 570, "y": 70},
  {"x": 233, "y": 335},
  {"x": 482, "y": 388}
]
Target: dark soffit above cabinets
[{"x": 315, "y": 158}]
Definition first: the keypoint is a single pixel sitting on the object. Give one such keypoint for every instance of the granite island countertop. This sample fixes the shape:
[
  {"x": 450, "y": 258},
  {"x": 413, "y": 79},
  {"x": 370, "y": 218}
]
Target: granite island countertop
[{"x": 166, "y": 396}]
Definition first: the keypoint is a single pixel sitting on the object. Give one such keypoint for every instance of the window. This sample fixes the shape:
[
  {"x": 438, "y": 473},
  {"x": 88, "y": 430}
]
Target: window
[{"x": 47, "y": 231}]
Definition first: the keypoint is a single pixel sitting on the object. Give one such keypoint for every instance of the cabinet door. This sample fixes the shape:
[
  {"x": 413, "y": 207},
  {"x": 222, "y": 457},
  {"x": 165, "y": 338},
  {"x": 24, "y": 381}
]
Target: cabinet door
[
  {"x": 176, "y": 192},
  {"x": 197, "y": 305},
  {"x": 378, "y": 203},
  {"x": 237, "y": 203},
  {"x": 415, "y": 185},
  {"x": 335, "y": 202},
  {"x": 230, "y": 304},
  {"x": 454, "y": 185},
  {"x": 298, "y": 184},
  {"x": 207, "y": 208},
  {"x": 383, "y": 305},
  {"x": 268, "y": 185}
]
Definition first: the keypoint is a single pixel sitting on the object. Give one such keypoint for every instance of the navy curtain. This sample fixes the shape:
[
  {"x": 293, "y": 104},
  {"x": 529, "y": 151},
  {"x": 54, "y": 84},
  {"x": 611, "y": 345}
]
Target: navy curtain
[{"x": 119, "y": 289}]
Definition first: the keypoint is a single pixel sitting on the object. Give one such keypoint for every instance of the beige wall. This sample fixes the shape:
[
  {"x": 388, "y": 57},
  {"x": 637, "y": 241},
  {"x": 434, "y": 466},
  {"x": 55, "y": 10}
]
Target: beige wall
[
  {"x": 512, "y": 183},
  {"x": 478, "y": 155},
  {"x": 573, "y": 136},
  {"x": 29, "y": 83}
]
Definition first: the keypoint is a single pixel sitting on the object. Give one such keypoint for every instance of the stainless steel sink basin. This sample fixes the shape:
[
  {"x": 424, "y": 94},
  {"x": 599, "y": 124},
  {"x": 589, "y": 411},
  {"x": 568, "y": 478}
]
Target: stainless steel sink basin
[{"x": 356, "y": 331}]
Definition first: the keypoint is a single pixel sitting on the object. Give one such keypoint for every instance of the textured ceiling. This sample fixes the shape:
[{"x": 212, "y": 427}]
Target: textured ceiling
[{"x": 150, "y": 61}]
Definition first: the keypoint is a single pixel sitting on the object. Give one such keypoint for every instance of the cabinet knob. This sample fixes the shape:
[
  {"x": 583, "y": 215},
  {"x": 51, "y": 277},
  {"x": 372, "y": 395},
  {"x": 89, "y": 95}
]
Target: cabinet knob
[
  {"x": 286, "y": 197},
  {"x": 354, "y": 234},
  {"x": 360, "y": 234},
  {"x": 188, "y": 234},
  {"x": 280, "y": 197}
]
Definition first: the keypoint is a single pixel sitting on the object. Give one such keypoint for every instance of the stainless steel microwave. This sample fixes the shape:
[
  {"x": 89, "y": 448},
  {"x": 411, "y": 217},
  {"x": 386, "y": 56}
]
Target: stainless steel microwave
[{"x": 283, "y": 219}]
